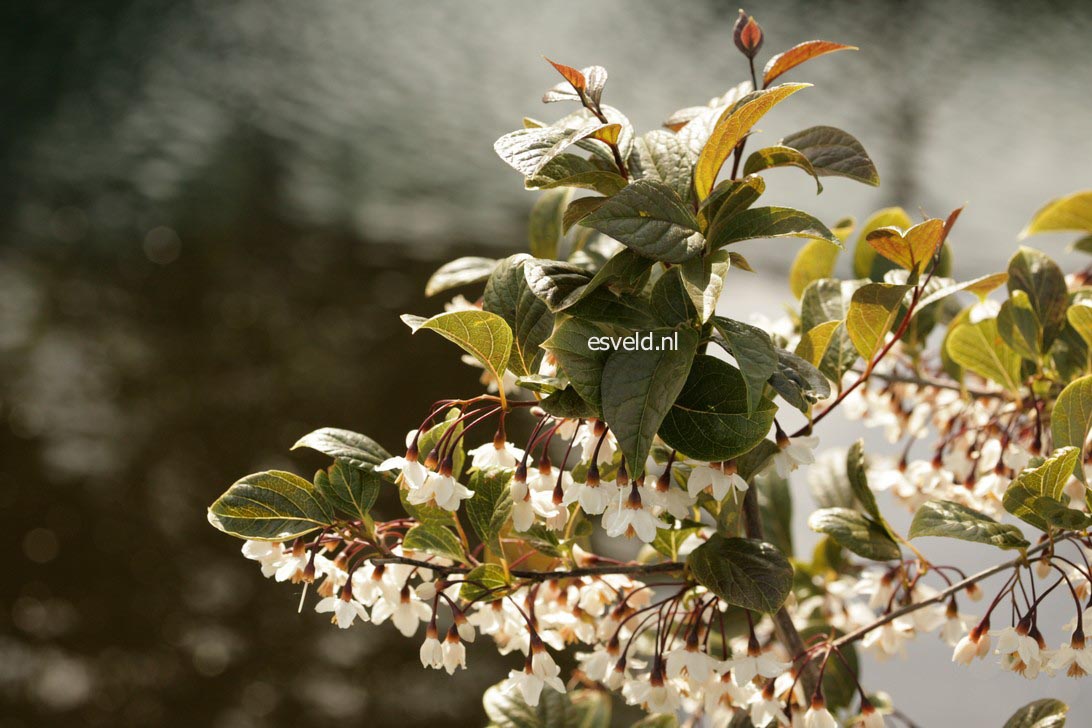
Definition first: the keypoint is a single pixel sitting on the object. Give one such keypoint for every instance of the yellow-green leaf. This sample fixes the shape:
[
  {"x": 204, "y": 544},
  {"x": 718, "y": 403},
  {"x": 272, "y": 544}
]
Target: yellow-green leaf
[
  {"x": 483, "y": 335},
  {"x": 814, "y": 342},
  {"x": 911, "y": 250},
  {"x": 731, "y": 127},
  {"x": 863, "y": 255},
  {"x": 814, "y": 261},
  {"x": 270, "y": 506},
  {"x": 1080, "y": 318},
  {"x": 980, "y": 348},
  {"x": 1072, "y": 212},
  {"x": 1071, "y": 418},
  {"x": 872, "y": 312}
]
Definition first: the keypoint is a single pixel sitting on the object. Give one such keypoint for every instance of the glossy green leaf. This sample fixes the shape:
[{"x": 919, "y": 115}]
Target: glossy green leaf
[
  {"x": 753, "y": 351},
  {"x": 668, "y": 540},
  {"x": 767, "y": 222},
  {"x": 639, "y": 387},
  {"x": 1044, "y": 713},
  {"x": 953, "y": 520},
  {"x": 825, "y": 300},
  {"x": 485, "y": 583},
  {"x": 509, "y": 295},
  {"x": 485, "y": 336},
  {"x": 571, "y": 170},
  {"x": 579, "y": 209},
  {"x": 661, "y": 156},
  {"x": 873, "y": 310},
  {"x": 1071, "y": 418},
  {"x": 350, "y": 490},
  {"x": 857, "y": 475},
  {"x": 528, "y": 151},
  {"x": 1019, "y": 326},
  {"x": 434, "y": 539},
  {"x": 729, "y": 198},
  {"x": 1035, "y": 496},
  {"x": 574, "y": 709},
  {"x": 856, "y": 532},
  {"x": 358, "y": 450},
  {"x": 775, "y": 510},
  {"x": 730, "y": 128},
  {"x": 798, "y": 382},
  {"x": 703, "y": 280},
  {"x": 270, "y": 506},
  {"x": 651, "y": 218},
  {"x": 581, "y": 363},
  {"x": 491, "y": 506},
  {"x": 459, "y": 272},
  {"x": 671, "y": 302},
  {"x": 710, "y": 420},
  {"x": 833, "y": 152},
  {"x": 1042, "y": 280},
  {"x": 743, "y": 572}
]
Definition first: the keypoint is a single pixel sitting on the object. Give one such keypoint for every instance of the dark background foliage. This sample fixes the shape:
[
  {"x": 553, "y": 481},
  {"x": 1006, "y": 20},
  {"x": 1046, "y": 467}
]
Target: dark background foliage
[{"x": 211, "y": 214}]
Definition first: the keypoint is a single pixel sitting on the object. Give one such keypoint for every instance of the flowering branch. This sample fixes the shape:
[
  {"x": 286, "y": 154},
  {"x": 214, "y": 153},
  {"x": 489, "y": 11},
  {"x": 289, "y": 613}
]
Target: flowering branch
[{"x": 627, "y": 569}]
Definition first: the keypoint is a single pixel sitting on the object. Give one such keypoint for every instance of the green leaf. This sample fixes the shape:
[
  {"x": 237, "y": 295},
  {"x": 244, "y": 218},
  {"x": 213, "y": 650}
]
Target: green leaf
[
  {"x": 1083, "y": 245},
  {"x": 485, "y": 336},
  {"x": 1072, "y": 212},
  {"x": 798, "y": 382},
  {"x": 668, "y": 540},
  {"x": 833, "y": 152},
  {"x": 743, "y": 572},
  {"x": 857, "y": 474},
  {"x": 570, "y": 170},
  {"x": 980, "y": 348},
  {"x": 730, "y": 129},
  {"x": 1019, "y": 326},
  {"x": 814, "y": 261},
  {"x": 775, "y": 509},
  {"x": 1079, "y": 316},
  {"x": 1044, "y": 713},
  {"x": 555, "y": 281},
  {"x": 652, "y": 219},
  {"x": 638, "y": 389},
  {"x": 866, "y": 264},
  {"x": 856, "y": 532},
  {"x": 358, "y": 450},
  {"x": 670, "y": 299},
  {"x": 872, "y": 312},
  {"x": 544, "y": 223},
  {"x": 1042, "y": 280},
  {"x": 825, "y": 300},
  {"x": 459, "y": 272},
  {"x": 434, "y": 539},
  {"x": 1036, "y": 495},
  {"x": 528, "y": 151},
  {"x": 491, "y": 507},
  {"x": 661, "y": 156},
  {"x": 1071, "y": 419},
  {"x": 486, "y": 583},
  {"x": 602, "y": 306},
  {"x": 768, "y": 222},
  {"x": 270, "y": 506},
  {"x": 582, "y": 365},
  {"x": 709, "y": 419},
  {"x": 575, "y": 709},
  {"x": 753, "y": 351},
  {"x": 952, "y": 520},
  {"x": 729, "y": 198},
  {"x": 568, "y": 404},
  {"x": 579, "y": 209},
  {"x": 349, "y": 489},
  {"x": 703, "y": 280},
  {"x": 780, "y": 156},
  {"x": 625, "y": 272},
  {"x": 657, "y": 721},
  {"x": 508, "y": 295}
]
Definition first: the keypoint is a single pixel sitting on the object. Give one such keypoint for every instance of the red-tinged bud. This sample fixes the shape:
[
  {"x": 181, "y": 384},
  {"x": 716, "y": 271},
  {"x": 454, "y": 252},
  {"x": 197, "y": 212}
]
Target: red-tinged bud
[
  {"x": 447, "y": 467},
  {"x": 622, "y": 477},
  {"x": 592, "y": 480},
  {"x": 747, "y": 35},
  {"x": 634, "y": 500}
]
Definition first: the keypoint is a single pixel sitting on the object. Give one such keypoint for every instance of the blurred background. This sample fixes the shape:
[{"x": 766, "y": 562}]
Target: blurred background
[{"x": 212, "y": 213}]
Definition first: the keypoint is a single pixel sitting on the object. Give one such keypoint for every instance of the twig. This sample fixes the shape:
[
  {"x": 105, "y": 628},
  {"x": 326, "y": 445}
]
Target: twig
[
  {"x": 629, "y": 569},
  {"x": 939, "y": 597}
]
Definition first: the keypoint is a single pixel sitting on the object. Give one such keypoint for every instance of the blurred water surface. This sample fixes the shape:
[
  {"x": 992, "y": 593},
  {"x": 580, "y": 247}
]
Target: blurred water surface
[{"x": 213, "y": 212}]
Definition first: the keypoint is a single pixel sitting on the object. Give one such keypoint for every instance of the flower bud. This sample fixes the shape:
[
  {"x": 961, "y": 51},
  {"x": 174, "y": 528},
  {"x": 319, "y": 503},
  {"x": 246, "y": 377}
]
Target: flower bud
[{"x": 747, "y": 35}]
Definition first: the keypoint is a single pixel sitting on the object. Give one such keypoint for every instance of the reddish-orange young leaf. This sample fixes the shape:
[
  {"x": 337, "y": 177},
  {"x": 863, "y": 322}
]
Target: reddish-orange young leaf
[
  {"x": 796, "y": 55},
  {"x": 572, "y": 75},
  {"x": 912, "y": 249},
  {"x": 747, "y": 35}
]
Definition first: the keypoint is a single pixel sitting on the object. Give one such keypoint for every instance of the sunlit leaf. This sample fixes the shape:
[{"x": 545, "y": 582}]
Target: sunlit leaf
[
  {"x": 980, "y": 348},
  {"x": 801, "y": 53},
  {"x": 814, "y": 342},
  {"x": 270, "y": 506},
  {"x": 753, "y": 351},
  {"x": 1072, "y": 212},
  {"x": 650, "y": 217},
  {"x": 856, "y": 532},
  {"x": 912, "y": 249},
  {"x": 872, "y": 313},
  {"x": 814, "y": 261},
  {"x": 508, "y": 295},
  {"x": 358, "y": 450},
  {"x": 767, "y": 222},
  {"x": 483, "y": 335},
  {"x": 780, "y": 156},
  {"x": 953, "y": 520},
  {"x": 743, "y": 572},
  {"x": 834, "y": 153},
  {"x": 459, "y": 272},
  {"x": 351, "y": 490}
]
